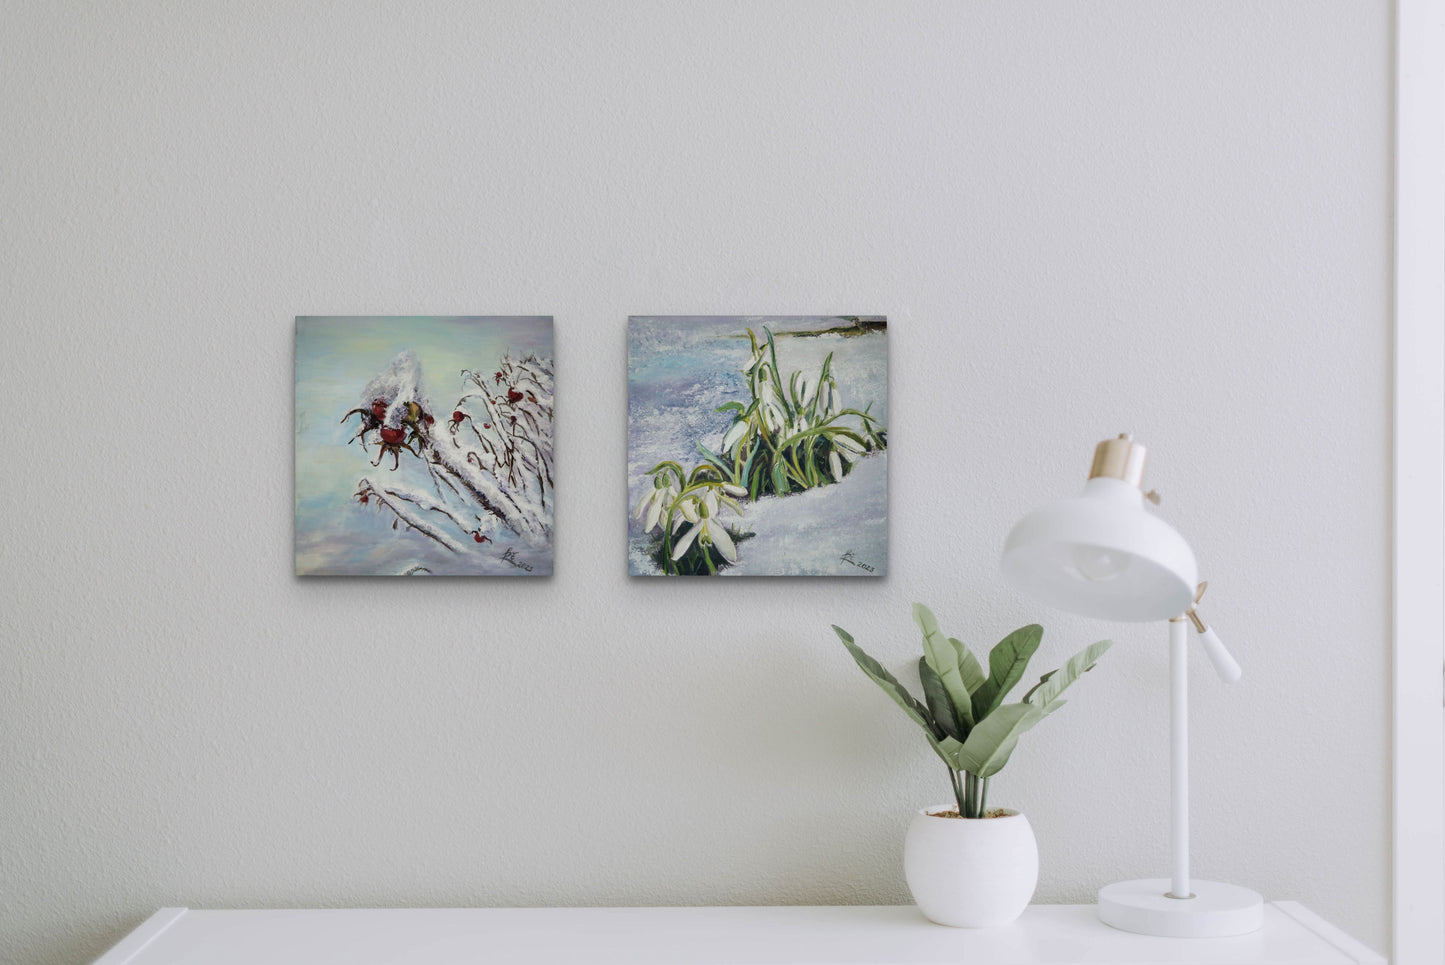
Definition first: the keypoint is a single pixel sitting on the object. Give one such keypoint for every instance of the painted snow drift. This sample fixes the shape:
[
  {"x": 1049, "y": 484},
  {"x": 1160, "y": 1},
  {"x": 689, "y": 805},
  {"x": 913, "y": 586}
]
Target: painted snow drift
[
  {"x": 757, "y": 446},
  {"x": 424, "y": 446}
]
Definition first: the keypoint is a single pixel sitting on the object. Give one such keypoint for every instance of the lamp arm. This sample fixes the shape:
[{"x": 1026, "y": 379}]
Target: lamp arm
[{"x": 1224, "y": 663}]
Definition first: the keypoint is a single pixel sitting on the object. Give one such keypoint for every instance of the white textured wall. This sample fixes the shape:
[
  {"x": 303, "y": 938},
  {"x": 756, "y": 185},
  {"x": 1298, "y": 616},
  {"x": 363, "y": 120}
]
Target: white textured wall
[{"x": 1080, "y": 219}]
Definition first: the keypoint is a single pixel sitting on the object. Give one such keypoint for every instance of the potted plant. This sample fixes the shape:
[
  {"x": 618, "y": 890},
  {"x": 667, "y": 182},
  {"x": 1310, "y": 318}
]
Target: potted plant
[{"x": 967, "y": 864}]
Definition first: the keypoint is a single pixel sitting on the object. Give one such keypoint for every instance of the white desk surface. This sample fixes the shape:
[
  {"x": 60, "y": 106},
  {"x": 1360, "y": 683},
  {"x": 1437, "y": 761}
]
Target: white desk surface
[{"x": 836, "y": 935}]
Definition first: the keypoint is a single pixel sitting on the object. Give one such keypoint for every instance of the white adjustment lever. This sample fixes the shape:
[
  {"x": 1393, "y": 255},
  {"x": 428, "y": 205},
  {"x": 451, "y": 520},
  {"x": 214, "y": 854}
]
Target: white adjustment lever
[{"x": 1224, "y": 664}]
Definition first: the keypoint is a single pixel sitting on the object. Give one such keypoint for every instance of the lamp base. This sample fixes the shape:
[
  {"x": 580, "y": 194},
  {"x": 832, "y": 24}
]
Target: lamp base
[{"x": 1216, "y": 909}]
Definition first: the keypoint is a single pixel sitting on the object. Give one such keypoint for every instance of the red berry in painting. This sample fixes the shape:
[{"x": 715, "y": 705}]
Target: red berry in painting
[
  {"x": 458, "y": 416},
  {"x": 486, "y": 425},
  {"x": 378, "y": 408},
  {"x": 365, "y": 499},
  {"x": 392, "y": 437},
  {"x": 428, "y": 419},
  {"x": 477, "y": 537},
  {"x": 499, "y": 378},
  {"x": 513, "y": 395}
]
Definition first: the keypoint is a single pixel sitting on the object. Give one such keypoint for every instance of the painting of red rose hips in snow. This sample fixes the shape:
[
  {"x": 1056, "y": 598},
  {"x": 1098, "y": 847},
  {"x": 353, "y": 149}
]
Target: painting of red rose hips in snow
[
  {"x": 424, "y": 446},
  {"x": 757, "y": 446}
]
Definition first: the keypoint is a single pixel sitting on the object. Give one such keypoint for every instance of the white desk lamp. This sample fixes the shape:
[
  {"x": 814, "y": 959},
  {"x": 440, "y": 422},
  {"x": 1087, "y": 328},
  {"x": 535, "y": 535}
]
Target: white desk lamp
[{"x": 1104, "y": 555}]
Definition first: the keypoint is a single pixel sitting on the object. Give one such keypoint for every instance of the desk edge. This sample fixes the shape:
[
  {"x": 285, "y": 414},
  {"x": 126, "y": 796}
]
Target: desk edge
[
  {"x": 1357, "y": 950},
  {"x": 148, "y": 931}
]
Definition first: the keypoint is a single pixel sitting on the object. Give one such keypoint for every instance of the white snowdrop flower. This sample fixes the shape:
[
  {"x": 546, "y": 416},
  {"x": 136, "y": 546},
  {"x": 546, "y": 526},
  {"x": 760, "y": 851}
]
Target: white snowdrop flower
[
  {"x": 654, "y": 512},
  {"x": 721, "y": 498},
  {"x": 707, "y": 532},
  {"x": 651, "y": 506},
  {"x": 835, "y": 464},
  {"x": 848, "y": 448},
  {"x": 716, "y": 497},
  {"x": 734, "y": 434},
  {"x": 772, "y": 412}
]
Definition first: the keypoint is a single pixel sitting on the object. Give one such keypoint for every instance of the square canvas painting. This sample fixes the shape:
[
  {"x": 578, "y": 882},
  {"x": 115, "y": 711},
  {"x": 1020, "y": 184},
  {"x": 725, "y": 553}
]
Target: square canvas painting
[
  {"x": 757, "y": 446},
  {"x": 424, "y": 446}
]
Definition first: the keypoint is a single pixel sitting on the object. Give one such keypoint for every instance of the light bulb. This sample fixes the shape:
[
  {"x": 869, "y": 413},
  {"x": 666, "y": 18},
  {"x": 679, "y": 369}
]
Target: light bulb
[{"x": 1098, "y": 565}]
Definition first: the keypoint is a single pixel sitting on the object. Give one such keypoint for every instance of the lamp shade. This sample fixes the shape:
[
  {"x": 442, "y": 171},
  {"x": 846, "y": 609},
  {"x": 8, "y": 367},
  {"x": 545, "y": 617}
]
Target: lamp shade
[{"x": 1102, "y": 555}]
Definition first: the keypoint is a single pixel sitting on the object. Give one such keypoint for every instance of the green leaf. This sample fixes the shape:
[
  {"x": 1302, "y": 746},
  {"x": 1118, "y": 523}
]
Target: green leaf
[
  {"x": 968, "y": 667},
  {"x": 1007, "y": 662},
  {"x": 948, "y": 749},
  {"x": 938, "y": 701},
  {"x": 809, "y": 434},
  {"x": 735, "y": 406},
  {"x": 993, "y": 739},
  {"x": 1055, "y": 682},
  {"x": 917, "y": 711},
  {"x": 747, "y": 469},
  {"x": 1042, "y": 680},
  {"x": 773, "y": 354},
  {"x": 943, "y": 659},
  {"x": 716, "y": 460}
]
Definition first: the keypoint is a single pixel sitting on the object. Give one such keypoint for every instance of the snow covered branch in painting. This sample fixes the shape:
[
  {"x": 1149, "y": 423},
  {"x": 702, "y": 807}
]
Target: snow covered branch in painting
[
  {"x": 489, "y": 465},
  {"x": 410, "y": 508}
]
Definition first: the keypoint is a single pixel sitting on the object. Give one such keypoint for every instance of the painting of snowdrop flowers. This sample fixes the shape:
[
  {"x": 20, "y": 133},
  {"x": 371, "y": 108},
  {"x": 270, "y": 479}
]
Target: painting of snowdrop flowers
[
  {"x": 424, "y": 446},
  {"x": 757, "y": 446}
]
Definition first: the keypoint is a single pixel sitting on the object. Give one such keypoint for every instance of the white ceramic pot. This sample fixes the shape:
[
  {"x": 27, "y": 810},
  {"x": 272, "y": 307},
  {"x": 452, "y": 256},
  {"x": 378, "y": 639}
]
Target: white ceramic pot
[{"x": 971, "y": 872}]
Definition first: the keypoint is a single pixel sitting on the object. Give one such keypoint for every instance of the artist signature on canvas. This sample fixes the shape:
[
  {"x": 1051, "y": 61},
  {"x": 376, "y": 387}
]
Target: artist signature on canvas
[
  {"x": 849, "y": 557},
  {"x": 510, "y": 556}
]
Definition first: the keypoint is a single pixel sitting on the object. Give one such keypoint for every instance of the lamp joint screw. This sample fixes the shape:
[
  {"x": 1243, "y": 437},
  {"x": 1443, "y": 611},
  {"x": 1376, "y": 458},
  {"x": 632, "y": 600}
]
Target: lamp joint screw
[{"x": 1193, "y": 612}]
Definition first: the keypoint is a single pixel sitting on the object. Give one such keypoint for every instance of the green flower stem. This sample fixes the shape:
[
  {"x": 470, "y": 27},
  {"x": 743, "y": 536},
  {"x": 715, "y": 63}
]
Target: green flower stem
[
  {"x": 795, "y": 469},
  {"x": 971, "y": 783},
  {"x": 957, "y": 789},
  {"x": 676, "y": 469},
  {"x": 668, "y": 566},
  {"x": 773, "y": 352},
  {"x": 826, "y": 427}
]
